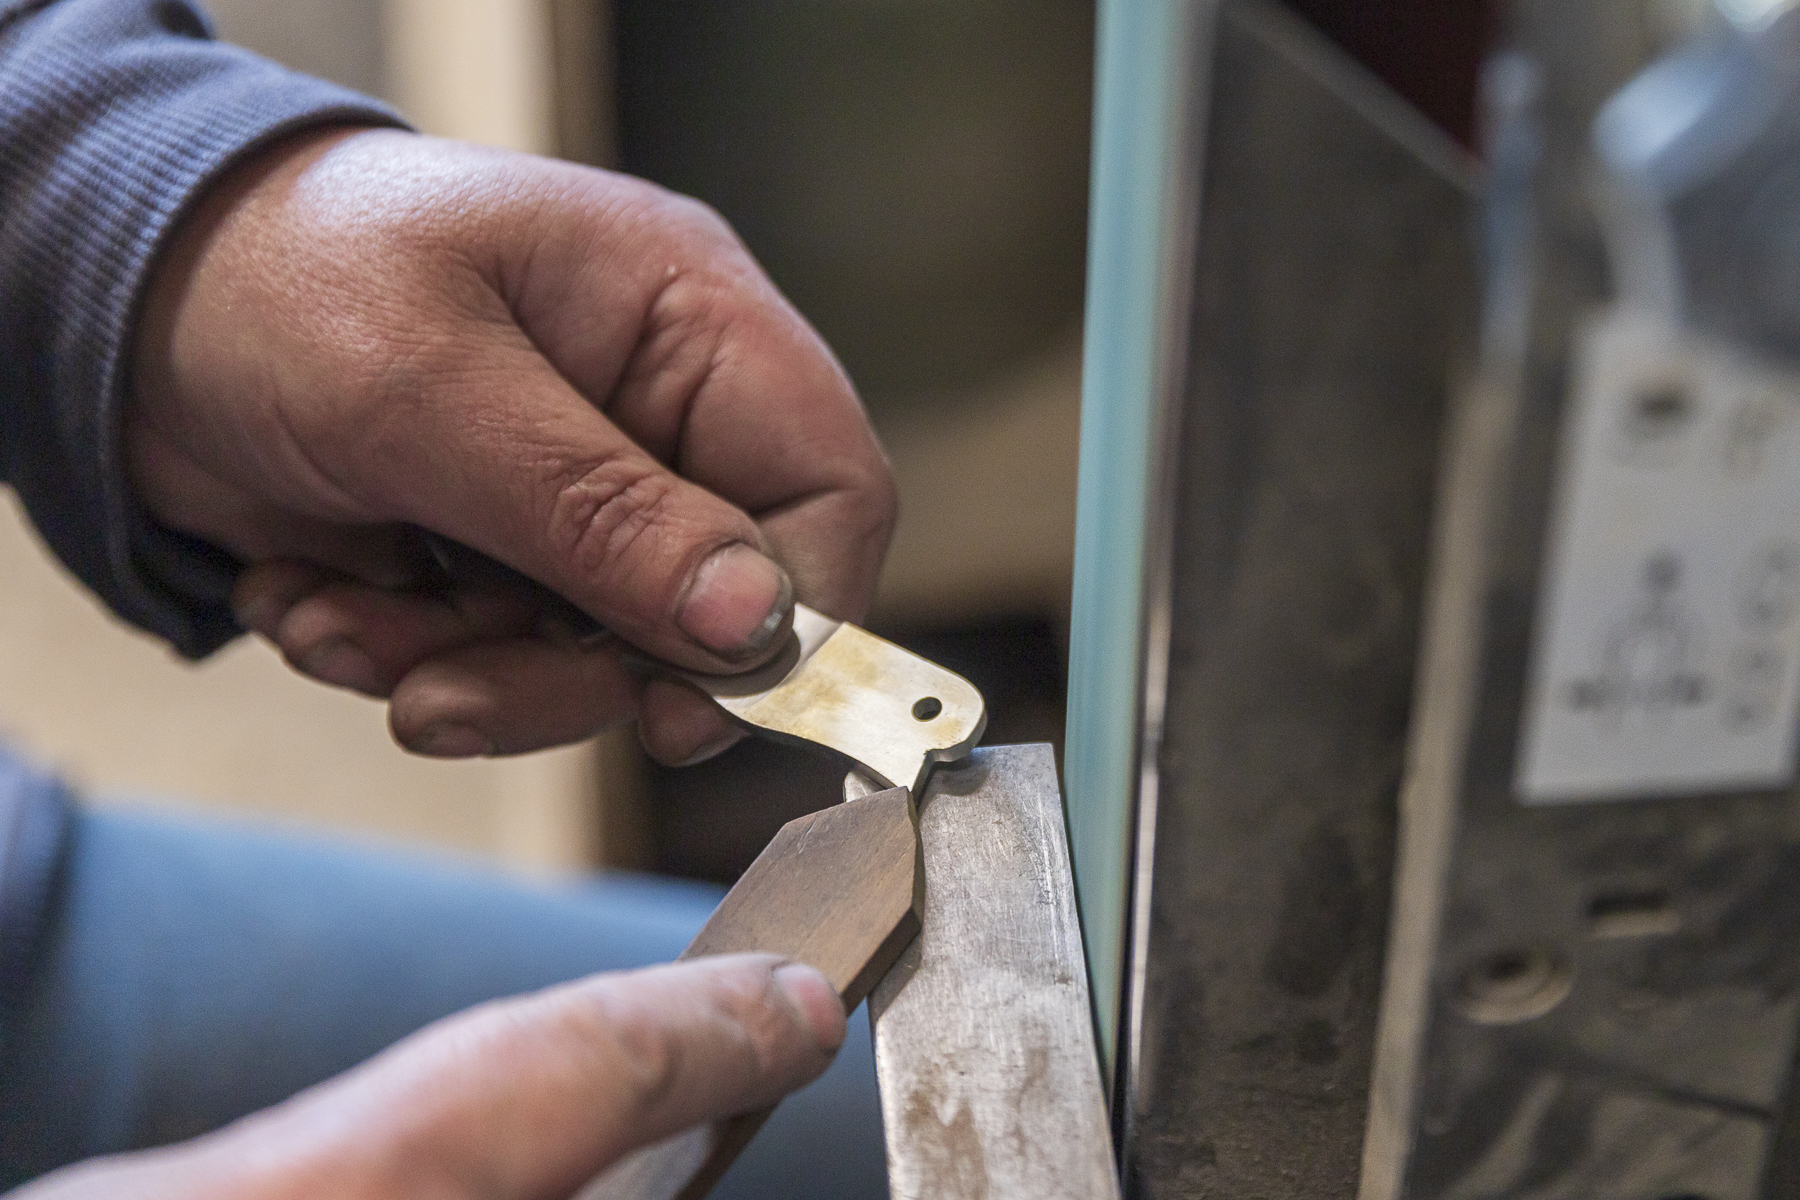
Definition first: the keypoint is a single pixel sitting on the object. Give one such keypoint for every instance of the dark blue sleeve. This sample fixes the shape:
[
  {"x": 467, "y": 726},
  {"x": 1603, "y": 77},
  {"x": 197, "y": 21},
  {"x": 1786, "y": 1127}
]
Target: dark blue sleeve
[{"x": 114, "y": 116}]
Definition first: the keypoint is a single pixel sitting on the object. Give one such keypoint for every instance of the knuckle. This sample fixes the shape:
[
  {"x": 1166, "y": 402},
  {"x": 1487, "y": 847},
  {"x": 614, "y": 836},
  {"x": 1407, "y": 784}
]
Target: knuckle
[
  {"x": 877, "y": 502},
  {"x": 761, "y": 1015},
  {"x": 660, "y": 1049},
  {"x": 713, "y": 1036},
  {"x": 652, "y": 1060},
  {"x": 602, "y": 513},
  {"x": 688, "y": 328},
  {"x": 699, "y": 218},
  {"x": 867, "y": 507}
]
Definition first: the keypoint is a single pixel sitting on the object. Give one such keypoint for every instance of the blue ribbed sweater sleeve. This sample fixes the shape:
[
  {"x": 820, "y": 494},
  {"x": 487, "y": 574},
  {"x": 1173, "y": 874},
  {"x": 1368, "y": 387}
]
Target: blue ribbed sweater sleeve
[{"x": 114, "y": 116}]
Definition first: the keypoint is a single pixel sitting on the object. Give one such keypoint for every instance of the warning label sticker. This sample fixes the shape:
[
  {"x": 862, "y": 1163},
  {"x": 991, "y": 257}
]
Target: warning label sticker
[{"x": 1666, "y": 654}]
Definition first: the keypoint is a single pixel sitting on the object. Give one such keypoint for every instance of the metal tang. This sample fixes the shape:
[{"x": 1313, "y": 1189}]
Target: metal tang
[{"x": 892, "y": 713}]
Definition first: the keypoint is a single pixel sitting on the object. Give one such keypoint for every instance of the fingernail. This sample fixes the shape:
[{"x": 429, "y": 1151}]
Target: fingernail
[
  {"x": 817, "y": 1001},
  {"x": 453, "y": 741},
  {"x": 340, "y": 661},
  {"x": 713, "y": 748},
  {"x": 559, "y": 630},
  {"x": 261, "y": 614},
  {"x": 738, "y": 602}
]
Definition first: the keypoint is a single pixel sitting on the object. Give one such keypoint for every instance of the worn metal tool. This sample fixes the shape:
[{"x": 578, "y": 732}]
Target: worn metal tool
[
  {"x": 840, "y": 890},
  {"x": 984, "y": 1044},
  {"x": 984, "y": 1035},
  {"x": 958, "y": 879},
  {"x": 893, "y": 714},
  {"x": 990, "y": 1081},
  {"x": 834, "y": 685}
]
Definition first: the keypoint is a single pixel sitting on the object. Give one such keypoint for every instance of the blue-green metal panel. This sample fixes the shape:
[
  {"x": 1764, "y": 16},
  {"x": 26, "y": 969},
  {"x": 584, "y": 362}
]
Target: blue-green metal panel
[{"x": 1143, "y": 104}]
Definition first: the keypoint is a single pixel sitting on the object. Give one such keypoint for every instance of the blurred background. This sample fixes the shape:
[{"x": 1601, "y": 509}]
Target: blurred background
[{"x": 913, "y": 173}]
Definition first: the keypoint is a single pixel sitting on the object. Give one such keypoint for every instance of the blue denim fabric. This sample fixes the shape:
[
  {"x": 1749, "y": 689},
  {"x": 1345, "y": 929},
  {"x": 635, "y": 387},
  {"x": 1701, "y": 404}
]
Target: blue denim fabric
[{"x": 191, "y": 971}]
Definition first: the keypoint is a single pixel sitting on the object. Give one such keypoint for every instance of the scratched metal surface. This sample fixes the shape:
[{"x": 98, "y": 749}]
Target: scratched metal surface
[
  {"x": 1332, "y": 285},
  {"x": 984, "y": 1043}
]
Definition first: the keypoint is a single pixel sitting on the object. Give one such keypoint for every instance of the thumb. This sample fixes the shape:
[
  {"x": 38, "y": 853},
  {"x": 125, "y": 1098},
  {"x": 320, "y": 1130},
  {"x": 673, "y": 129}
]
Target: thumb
[
  {"x": 518, "y": 1098},
  {"x": 543, "y": 481},
  {"x": 536, "y": 1095}
]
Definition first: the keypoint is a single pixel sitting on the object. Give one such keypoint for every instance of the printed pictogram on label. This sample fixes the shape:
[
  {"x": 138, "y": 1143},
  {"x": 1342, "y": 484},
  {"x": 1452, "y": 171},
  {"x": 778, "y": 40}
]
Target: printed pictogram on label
[{"x": 1666, "y": 654}]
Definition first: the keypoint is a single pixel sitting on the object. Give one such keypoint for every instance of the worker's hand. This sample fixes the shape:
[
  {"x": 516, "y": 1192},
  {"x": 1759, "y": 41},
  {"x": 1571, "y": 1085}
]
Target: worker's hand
[
  {"x": 365, "y": 332},
  {"x": 523, "y": 1098}
]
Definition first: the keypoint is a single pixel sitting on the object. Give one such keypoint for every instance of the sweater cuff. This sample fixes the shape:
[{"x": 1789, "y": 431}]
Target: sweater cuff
[{"x": 115, "y": 115}]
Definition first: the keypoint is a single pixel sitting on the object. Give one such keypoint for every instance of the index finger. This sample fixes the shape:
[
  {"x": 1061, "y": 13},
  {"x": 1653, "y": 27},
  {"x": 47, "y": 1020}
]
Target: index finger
[{"x": 726, "y": 383}]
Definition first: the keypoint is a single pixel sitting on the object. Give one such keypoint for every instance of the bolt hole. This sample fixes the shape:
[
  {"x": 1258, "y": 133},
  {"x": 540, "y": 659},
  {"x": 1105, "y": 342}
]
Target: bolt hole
[
  {"x": 1658, "y": 412},
  {"x": 1633, "y": 914},
  {"x": 1513, "y": 985},
  {"x": 927, "y": 708},
  {"x": 1663, "y": 405},
  {"x": 1506, "y": 968}
]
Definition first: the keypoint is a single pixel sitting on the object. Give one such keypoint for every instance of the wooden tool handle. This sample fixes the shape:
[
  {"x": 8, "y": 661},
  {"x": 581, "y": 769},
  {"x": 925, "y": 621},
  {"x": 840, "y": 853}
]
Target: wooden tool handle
[{"x": 840, "y": 890}]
